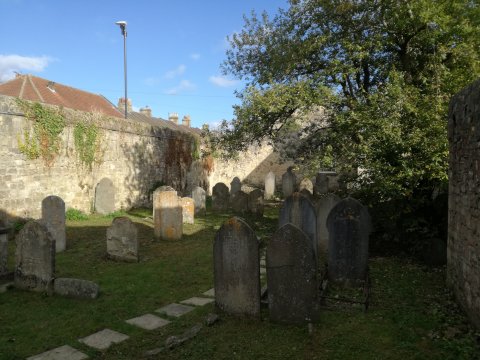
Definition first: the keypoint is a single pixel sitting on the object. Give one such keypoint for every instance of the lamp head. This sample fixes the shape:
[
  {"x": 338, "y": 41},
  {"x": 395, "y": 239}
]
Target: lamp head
[{"x": 123, "y": 26}]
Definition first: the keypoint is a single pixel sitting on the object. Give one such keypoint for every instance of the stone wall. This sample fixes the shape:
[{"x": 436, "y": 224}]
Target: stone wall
[{"x": 463, "y": 254}]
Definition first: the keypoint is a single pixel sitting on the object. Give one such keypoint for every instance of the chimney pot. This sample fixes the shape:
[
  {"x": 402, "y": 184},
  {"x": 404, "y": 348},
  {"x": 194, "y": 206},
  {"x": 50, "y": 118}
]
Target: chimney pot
[
  {"x": 173, "y": 117},
  {"x": 186, "y": 121},
  {"x": 146, "y": 111},
  {"x": 121, "y": 105}
]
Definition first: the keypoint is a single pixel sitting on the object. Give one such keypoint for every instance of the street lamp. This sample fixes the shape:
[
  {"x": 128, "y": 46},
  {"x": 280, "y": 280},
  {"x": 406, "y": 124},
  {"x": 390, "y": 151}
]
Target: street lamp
[{"x": 123, "y": 27}]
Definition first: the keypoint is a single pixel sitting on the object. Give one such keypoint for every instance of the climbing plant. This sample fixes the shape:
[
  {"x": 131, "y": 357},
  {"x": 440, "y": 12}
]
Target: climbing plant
[{"x": 87, "y": 142}]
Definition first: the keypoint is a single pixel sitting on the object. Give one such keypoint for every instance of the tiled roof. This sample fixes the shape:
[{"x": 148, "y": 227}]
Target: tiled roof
[
  {"x": 29, "y": 87},
  {"x": 137, "y": 116}
]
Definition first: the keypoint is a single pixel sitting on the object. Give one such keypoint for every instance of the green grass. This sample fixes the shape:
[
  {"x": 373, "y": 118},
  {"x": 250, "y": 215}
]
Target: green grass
[{"x": 411, "y": 315}]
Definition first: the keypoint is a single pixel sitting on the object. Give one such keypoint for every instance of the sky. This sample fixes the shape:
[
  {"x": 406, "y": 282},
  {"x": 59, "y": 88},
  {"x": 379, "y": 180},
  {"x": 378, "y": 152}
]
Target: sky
[{"x": 174, "y": 50}]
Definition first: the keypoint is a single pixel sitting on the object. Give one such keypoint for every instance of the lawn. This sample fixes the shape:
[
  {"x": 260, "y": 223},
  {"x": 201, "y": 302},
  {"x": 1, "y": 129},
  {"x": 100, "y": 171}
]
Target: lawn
[{"x": 411, "y": 315}]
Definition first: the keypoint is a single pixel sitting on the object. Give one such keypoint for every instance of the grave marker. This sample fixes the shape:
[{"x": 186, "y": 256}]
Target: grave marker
[
  {"x": 188, "y": 210},
  {"x": 255, "y": 202},
  {"x": 105, "y": 197},
  {"x": 167, "y": 214},
  {"x": 306, "y": 184},
  {"x": 199, "y": 197},
  {"x": 240, "y": 202},
  {"x": 235, "y": 185},
  {"x": 220, "y": 197},
  {"x": 289, "y": 181},
  {"x": 53, "y": 216},
  {"x": 323, "y": 207},
  {"x": 269, "y": 185},
  {"x": 122, "y": 242}
]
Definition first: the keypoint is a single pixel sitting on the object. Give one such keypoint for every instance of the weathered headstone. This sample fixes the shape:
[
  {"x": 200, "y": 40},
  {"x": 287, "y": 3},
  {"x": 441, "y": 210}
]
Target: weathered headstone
[
  {"x": 220, "y": 197},
  {"x": 306, "y": 184},
  {"x": 292, "y": 277},
  {"x": 156, "y": 198},
  {"x": 289, "y": 183},
  {"x": 235, "y": 185},
  {"x": 105, "y": 197},
  {"x": 34, "y": 258},
  {"x": 3, "y": 249},
  {"x": 188, "y": 210},
  {"x": 349, "y": 228},
  {"x": 255, "y": 202},
  {"x": 199, "y": 197},
  {"x": 236, "y": 263},
  {"x": 76, "y": 288},
  {"x": 325, "y": 181},
  {"x": 299, "y": 211},
  {"x": 269, "y": 185},
  {"x": 122, "y": 242},
  {"x": 167, "y": 215},
  {"x": 53, "y": 216},
  {"x": 323, "y": 207},
  {"x": 240, "y": 202}
]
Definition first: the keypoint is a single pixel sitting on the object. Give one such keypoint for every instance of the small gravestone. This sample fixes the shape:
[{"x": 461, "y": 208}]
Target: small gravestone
[
  {"x": 122, "y": 242},
  {"x": 292, "y": 277},
  {"x": 105, "y": 197},
  {"x": 240, "y": 202},
  {"x": 3, "y": 249},
  {"x": 323, "y": 207},
  {"x": 255, "y": 202},
  {"x": 299, "y": 211},
  {"x": 34, "y": 258},
  {"x": 349, "y": 228},
  {"x": 199, "y": 197},
  {"x": 325, "y": 181},
  {"x": 306, "y": 184},
  {"x": 76, "y": 288},
  {"x": 53, "y": 216},
  {"x": 235, "y": 185},
  {"x": 269, "y": 185},
  {"x": 220, "y": 197},
  {"x": 236, "y": 260},
  {"x": 167, "y": 215},
  {"x": 188, "y": 210},
  {"x": 289, "y": 181}
]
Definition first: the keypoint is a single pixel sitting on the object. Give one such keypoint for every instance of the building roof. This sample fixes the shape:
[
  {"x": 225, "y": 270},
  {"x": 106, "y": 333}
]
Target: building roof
[
  {"x": 137, "y": 116},
  {"x": 33, "y": 88}
]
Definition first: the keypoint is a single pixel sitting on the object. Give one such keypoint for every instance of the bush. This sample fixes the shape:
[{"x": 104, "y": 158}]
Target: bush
[{"x": 75, "y": 214}]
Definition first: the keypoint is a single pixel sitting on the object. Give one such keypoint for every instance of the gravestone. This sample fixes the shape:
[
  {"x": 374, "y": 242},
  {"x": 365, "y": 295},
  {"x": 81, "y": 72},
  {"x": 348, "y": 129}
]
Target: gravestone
[
  {"x": 292, "y": 277},
  {"x": 325, "y": 181},
  {"x": 122, "y": 242},
  {"x": 235, "y": 185},
  {"x": 299, "y": 211},
  {"x": 76, "y": 288},
  {"x": 220, "y": 197},
  {"x": 156, "y": 198},
  {"x": 199, "y": 197},
  {"x": 323, "y": 207},
  {"x": 307, "y": 194},
  {"x": 167, "y": 214},
  {"x": 34, "y": 258},
  {"x": 236, "y": 263},
  {"x": 306, "y": 184},
  {"x": 240, "y": 202},
  {"x": 3, "y": 249},
  {"x": 349, "y": 228},
  {"x": 105, "y": 197},
  {"x": 289, "y": 181},
  {"x": 255, "y": 202},
  {"x": 188, "y": 210},
  {"x": 269, "y": 185},
  {"x": 53, "y": 216}
]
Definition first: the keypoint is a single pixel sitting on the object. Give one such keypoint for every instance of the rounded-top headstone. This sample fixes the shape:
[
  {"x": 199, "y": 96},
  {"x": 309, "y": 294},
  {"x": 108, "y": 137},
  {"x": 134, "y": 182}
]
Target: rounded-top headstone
[
  {"x": 269, "y": 185},
  {"x": 289, "y": 181},
  {"x": 220, "y": 196},
  {"x": 235, "y": 185},
  {"x": 53, "y": 216},
  {"x": 306, "y": 184},
  {"x": 105, "y": 197},
  {"x": 122, "y": 242},
  {"x": 255, "y": 202},
  {"x": 199, "y": 196}
]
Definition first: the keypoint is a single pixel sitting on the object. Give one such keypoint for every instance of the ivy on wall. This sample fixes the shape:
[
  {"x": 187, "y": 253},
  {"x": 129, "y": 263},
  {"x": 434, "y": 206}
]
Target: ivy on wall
[{"x": 87, "y": 138}]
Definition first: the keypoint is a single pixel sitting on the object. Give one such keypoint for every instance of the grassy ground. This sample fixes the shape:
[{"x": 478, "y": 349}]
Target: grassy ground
[{"x": 411, "y": 315}]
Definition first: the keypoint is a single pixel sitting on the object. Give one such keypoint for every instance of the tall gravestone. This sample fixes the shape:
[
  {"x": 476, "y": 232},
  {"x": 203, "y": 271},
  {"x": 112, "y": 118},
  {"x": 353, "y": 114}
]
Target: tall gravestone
[
  {"x": 188, "y": 210},
  {"x": 289, "y": 181},
  {"x": 3, "y": 249},
  {"x": 255, "y": 202},
  {"x": 235, "y": 185},
  {"x": 199, "y": 197},
  {"x": 240, "y": 202},
  {"x": 236, "y": 263},
  {"x": 53, "y": 216},
  {"x": 292, "y": 277},
  {"x": 299, "y": 211},
  {"x": 306, "y": 184},
  {"x": 167, "y": 214},
  {"x": 269, "y": 185},
  {"x": 122, "y": 241},
  {"x": 323, "y": 207},
  {"x": 105, "y": 197},
  {"x": 220, "y": 196},
  {"x": 349, "y": 229},
  {"x": 34, "y": 258}
]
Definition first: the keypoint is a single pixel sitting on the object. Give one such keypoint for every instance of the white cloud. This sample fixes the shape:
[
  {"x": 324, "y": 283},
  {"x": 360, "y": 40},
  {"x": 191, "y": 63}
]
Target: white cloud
[
  {"x": 184, "y": 85},
  {"x": 222, "y": 81},
  {"x": 195, "y": 56},
  {"x": 11, "y": 63},
  {"x": 179, "y": 70}
]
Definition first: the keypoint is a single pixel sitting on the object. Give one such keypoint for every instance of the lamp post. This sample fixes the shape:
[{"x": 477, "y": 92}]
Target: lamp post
[{"x": 123, "y": 27}]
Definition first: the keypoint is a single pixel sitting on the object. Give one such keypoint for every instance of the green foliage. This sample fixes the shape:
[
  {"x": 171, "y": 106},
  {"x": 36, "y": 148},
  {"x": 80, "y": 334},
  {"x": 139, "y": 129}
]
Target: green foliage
[
  {"x": 116, "y": 213},
  {"x": 75, "y": 214},
  {"x": 87, "y": 142},
  {"x": 195, "y": 148}
]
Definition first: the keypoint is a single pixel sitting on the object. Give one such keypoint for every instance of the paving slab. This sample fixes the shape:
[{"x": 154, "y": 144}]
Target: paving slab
[
  {"x": 197, "y": 301},
  {"x": 175, "y": 310},
  {"x": 263, "y": 262},
  {"x": 148, "y": 322},
  {"x": 103, "y": 339},
  {"x": 263, "y": 271},
  {"x": 210, "y": 292},
  {"x": 64, "y": 352}
]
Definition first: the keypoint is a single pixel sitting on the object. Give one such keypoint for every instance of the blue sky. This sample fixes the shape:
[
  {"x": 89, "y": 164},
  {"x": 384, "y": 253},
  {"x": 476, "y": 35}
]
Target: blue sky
[{"x": 174, "y": 49}]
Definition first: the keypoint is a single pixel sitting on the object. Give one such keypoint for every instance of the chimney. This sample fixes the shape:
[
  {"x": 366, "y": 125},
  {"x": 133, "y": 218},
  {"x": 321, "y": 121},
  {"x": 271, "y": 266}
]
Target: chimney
[
  {"x": 173, "y": 117},
  {"x": 146, "y": 111},
  {"x": 51, "y": 86},
  {"x": 186, "y": 121},
  {"x": 121, "y": 105}
]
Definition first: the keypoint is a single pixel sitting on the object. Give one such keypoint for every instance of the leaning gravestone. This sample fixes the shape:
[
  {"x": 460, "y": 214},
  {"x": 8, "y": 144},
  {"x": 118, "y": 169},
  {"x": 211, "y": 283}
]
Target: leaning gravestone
[
  {"x": 167, "y": 214},
  {"x": 236, "y": 263},
  {"x": 306, "y": 184},
  {"x": 240, "y": 202},
  {"x": 105, "y": 197},
  {"x": 199, "y": 197},
  {"x": 188, "y": 210},
  {"x": 289, "y": 181},
  {"x": 220, "y": 196},
  {"x": 122, "y": 242},
  {"x": 3, "y": 249},
  {"x": 299, "y": 211},
  {"x": 53, "y": 216},
  {"x": 34, "y": 258},
  {"x": 349, "y": 228},
  {"x": 292, "y": 277},
  {"x": 235, "y": 185},
  {"x": 269, "y": 185},
  {"x": 255, "y": 202},
  {"x": 323, "y": 207}
]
